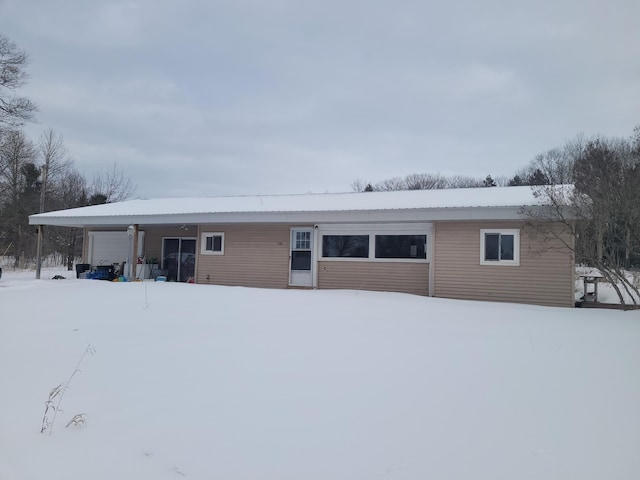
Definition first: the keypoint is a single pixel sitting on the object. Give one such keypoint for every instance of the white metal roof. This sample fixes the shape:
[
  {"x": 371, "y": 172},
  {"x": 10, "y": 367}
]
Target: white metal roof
[{"x": 371, "y": 206}]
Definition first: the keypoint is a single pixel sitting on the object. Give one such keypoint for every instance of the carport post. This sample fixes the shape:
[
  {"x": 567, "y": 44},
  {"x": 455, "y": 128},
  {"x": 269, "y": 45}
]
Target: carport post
[
  {"x": 39, "y": 253},
  {"x": 134, "y": 259}
]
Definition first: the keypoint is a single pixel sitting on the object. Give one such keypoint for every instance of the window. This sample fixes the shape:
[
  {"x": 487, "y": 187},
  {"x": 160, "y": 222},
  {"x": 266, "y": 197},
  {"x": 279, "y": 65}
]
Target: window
[
  {"x": 302, "y": 240},
  {"x": 500, "y": 247},
  {"x": 345, "y": 246},
  {"x": 300, "y": 260},
  {"x": 401, "y": 246},
  {"x": 371, "y": 242},
  {"x": 212, "y": 243},
  {"x": 301, "y": 250}
]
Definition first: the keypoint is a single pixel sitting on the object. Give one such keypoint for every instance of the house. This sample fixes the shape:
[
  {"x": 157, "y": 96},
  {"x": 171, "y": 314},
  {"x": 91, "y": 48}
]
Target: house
[{"x": 464, "y": 243}]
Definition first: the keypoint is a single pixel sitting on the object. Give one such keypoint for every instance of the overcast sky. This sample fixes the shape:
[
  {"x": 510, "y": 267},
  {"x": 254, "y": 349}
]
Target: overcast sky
[{"x": 234, "y": 97}]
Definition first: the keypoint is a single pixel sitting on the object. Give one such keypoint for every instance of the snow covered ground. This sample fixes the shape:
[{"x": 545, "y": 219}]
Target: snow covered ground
[
  {"x": 606, "y": 293},
  {"x": 204, "y": 382}
]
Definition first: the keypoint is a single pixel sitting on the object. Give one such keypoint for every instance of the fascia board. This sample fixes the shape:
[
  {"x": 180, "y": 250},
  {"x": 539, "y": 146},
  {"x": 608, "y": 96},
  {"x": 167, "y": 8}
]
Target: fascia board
[{"x": 413, "y": 215}]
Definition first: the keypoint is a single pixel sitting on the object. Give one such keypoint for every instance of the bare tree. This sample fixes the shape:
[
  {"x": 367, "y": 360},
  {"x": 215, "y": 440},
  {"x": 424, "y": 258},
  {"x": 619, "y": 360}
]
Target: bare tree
[
  {"x": 553, "y": 167},
  {"x": 15, "y": 151},
  {"x": 502, "y": 181},
  {"x": 70, "y": 192},
  {"x": 601, "y": 215},
  {"x": 390, "y": 184},
  {"x": 425, "y": 181},
  {"x": 19, "y": 187},
  {"x": 14, "y": 109},
  {"x": 359, "y": 185},
  {"x": 420, "y": 181},
  {"x": 55, "y": 163},
  {"x": 463, "y": 181},
  {"x": 556, "y": 165},
  {"x": 110, "y": 186}
]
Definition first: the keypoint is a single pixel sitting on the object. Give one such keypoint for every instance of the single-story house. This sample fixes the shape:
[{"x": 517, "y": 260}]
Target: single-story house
[{"x": 464, "y": 243}]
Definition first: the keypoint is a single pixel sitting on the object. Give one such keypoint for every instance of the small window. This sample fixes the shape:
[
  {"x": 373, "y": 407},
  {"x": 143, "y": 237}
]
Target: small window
[
  {"x": 401, "y": 246},
  {"x": 302, "y": 240},
  {"x": 212, "y": 244},
  {"x": 345, "y": 246},
  {"x": 500, "y": 247},
  {"x": 301, "y": 260}
]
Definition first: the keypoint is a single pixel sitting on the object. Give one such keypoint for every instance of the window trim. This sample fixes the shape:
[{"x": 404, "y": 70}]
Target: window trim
[
  {"x": 516, "y": 246},
  {"x": 372, "y": 230},
  {"x": 203, "y": 243}
]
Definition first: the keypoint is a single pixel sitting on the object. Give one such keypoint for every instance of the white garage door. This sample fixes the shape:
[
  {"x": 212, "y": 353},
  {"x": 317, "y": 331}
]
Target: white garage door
[{"x": 106, "y": 248}]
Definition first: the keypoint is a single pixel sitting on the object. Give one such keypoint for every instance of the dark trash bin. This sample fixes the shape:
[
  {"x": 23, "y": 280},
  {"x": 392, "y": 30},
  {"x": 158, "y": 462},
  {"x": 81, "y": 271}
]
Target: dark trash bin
[
  {"x": 0, "y": 272},
  {"x": 81, "y": 268}
]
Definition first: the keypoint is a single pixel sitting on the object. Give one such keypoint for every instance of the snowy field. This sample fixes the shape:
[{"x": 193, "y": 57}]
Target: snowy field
[{"x": 203, "y": 382}]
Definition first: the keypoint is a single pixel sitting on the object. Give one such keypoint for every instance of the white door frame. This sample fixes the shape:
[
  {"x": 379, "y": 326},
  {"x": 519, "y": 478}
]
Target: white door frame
[
  {"x": 302, "y": 278},
  {"x": 180, "y": 239}
]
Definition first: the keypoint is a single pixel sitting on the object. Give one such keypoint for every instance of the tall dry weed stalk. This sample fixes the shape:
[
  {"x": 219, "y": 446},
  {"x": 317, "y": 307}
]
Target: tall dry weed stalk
[{"x": 54, "y": 403}]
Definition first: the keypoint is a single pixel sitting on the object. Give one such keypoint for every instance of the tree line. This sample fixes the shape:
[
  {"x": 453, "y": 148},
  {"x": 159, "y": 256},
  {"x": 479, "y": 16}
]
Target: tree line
[{"x": 39, "y": 175}]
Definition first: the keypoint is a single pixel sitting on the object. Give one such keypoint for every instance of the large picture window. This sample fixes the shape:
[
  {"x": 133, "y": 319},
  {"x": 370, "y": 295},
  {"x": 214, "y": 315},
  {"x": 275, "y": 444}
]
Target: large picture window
[
  {"x": 500, "y": 247},
  {"x": 401, "y": 246},
  {"x": 345, "y": 246},
  {"x": 391, "y": 242}
]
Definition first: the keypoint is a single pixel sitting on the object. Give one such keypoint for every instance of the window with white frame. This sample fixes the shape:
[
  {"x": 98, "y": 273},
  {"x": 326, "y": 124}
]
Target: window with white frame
[
  {"x": 345, "y": 246},
  {"x": 373, "y": 242},
  {"x": 301, "y": 250},
  {"x": 212, "y": 243},
  {"x": 401, "y": 246},
  {"x": 302, "y": 240},
  {"x": 500, "y": 247}
]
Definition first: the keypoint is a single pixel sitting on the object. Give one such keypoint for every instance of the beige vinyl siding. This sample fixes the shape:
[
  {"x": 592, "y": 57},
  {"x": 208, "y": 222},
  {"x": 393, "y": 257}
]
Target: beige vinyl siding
[
  {"x": 254, "y": 256},
  {"x": 403, "y": 277},
  {"x": 544, "y": 277}
]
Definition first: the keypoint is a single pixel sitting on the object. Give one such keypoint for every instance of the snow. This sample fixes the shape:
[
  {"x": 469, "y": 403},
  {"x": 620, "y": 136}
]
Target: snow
[
  {"x": 193, "y": 381},
  {"x": 415, "y": 199},
  {"x": 606, "y": 292}
]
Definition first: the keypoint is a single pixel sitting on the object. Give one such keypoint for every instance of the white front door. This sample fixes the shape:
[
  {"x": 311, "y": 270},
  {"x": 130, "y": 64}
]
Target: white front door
[{"x": 301, "y": 258}]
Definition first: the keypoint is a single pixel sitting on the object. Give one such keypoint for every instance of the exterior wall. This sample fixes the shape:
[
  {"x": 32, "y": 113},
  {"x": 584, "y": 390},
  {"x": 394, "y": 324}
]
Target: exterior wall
[
  {"x": 545, "y": 275},
  {"x": 405, "y": 277},
  {"x": 258, "y": 256},
  {"x": 254, "y": 256},
  {"x": 153, "y": 237}
]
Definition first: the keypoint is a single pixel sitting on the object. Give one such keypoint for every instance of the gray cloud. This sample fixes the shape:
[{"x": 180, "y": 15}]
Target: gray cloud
[{"x": 208, "y": 98}]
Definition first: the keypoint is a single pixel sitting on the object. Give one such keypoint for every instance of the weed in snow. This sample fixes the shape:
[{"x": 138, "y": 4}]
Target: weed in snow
[{"x": 54, "y": 402}]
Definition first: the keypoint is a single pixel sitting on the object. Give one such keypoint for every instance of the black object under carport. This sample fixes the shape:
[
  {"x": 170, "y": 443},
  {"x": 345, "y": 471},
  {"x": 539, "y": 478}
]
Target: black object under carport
[{"x": 81, "y": 268}]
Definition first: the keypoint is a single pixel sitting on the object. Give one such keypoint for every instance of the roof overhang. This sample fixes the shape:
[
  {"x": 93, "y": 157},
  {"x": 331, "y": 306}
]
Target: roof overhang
[{"x": 396, "y": 215}]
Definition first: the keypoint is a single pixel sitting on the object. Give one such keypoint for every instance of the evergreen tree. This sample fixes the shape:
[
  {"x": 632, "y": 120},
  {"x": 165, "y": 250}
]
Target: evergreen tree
[{"x": 489, "y": 182}]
